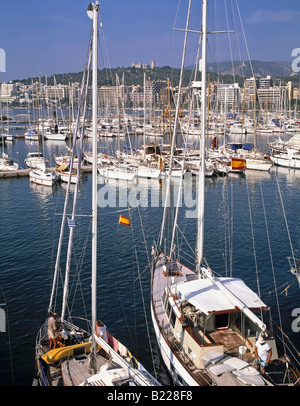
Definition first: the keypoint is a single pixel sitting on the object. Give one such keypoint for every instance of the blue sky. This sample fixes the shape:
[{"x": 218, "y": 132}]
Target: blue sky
[{"x": 51, "y": 37}]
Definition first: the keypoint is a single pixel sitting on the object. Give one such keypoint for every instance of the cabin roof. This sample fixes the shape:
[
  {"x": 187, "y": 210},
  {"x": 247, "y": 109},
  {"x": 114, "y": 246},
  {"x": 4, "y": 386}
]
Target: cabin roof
[{"x": 207, "y": 297}]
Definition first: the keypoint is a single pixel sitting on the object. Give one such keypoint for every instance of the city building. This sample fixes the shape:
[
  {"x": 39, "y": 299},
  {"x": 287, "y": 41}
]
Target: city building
[
  {"x": 265, "y": 83},
  {"x": 249, "y": 90},
  {"x": 228, "y": 93},
  {"x": 9, "y": 92}
]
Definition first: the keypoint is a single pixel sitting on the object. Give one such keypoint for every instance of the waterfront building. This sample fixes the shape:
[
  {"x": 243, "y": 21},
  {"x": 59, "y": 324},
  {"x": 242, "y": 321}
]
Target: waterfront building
[
  {"x": 265, "y": 83},
  {"x": 249, "y": 89},
  {"x": 228, "y": 93},
  {"x": 9, "y": 92}
]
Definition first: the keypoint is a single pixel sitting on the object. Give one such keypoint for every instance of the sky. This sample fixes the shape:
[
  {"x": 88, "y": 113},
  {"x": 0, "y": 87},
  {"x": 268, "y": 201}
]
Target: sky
[{"x": 50, "y": 37}]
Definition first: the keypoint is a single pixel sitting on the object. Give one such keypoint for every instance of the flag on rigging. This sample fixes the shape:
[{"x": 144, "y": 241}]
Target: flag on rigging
[{"x": 124, "y": 220}]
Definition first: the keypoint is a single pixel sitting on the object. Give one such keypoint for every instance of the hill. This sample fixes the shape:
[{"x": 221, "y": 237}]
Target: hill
[
  {"x": 135, "y": 76},
  {"x": 260, "y": 69}
]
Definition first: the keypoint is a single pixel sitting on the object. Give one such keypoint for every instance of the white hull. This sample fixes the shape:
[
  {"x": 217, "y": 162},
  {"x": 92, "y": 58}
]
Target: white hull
[
  {"x": 33, "y": 160},
  {"x": 5, "y": 165},
  {"x": 258, "y": 164},
  {"x": 55, "y": 137},
  {"x": 116, "y": 173},
  {"x": 31, "y": 137},
  {"x": 169, "y": 358},
  {"x": 291, "y": 159},
  {"x": 176, "y": 173},
  {"x": 41, "y": 177},
  {"x": 101, "y": 158},
  {"x": 64, "y": 176},
  {"x": 286, "y": 163},
  {"x": 146, "y": 172}
]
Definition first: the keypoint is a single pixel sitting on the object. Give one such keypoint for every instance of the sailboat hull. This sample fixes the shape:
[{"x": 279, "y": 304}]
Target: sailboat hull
[
  {"x": 179, "y": 375},
  {"x": 42, "y": 177}
]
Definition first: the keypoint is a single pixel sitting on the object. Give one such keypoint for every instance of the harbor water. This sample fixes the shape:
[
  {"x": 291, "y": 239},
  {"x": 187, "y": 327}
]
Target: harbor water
[{"x": 254, "y": 213}]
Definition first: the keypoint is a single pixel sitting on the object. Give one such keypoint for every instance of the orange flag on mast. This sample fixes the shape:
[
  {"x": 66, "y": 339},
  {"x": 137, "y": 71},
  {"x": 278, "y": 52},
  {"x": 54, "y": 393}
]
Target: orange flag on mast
[{"x": 124, "y": 220}]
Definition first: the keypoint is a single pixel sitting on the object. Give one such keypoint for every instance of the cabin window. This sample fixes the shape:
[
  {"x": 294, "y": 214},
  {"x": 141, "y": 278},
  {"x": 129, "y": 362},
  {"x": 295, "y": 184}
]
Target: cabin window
[
  {"x": 221, "y": 320},
  {"x": 164, "y": 299},
  {"x": 168, "y": 308},
  {"x": 172, "y": 318}
]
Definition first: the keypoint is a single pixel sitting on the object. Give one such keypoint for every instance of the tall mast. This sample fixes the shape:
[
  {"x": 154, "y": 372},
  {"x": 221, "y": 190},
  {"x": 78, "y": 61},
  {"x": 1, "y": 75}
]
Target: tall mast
[
  {"x": 201, "y": 197},
  {"x": 173, "y": 139},
  {"x": 95, "y": 8}
]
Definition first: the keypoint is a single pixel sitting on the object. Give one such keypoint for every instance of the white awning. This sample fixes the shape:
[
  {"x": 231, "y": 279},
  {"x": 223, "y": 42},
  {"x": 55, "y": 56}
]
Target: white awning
[{"x": 207, "y": 297}]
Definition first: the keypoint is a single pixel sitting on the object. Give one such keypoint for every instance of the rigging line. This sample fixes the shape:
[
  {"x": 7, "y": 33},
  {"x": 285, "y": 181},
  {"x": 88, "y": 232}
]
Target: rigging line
[
  {"x": 188, "y": 255},
  {"x": 225, "y": 228},
  {"x": 9, "y": 340},
  {"x": 176, "y": 120},
  {"x": 244, "y": 36},
  {"x": 285, "y": 219},
  {"x": 179, "y": 229},
  {"x": 143, "y": 300},
  {"x": 148, "y": 266},
  {"x": 229, "y": 41},
  {"x": 143, "y": 233},
  {"x": 254, "y": 249},
  {"x": 272, "y": 265},
  {"x": 111, "y": 274},
  {"x": 288, "y": 284},
  {"x": 78, "y": 266},
  {"x": 237, "y": 39}
]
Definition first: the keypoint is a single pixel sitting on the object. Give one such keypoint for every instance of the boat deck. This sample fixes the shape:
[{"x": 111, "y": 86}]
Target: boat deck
[
  {"x": 229, "y": 339},
  {"x": 72, "y": 371},
  {"x": 160, "y": 282},
  {"x": 76, "y": 370}
]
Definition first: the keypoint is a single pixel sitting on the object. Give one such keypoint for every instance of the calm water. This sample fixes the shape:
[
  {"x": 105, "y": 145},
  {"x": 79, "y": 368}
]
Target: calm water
[{"x": 30, "y": 222}]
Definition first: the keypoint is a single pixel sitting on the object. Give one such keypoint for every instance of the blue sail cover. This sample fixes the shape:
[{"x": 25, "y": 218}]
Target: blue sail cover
[
  {"x": 236, "y": 146},
  {"x": 248, "y": 147}
]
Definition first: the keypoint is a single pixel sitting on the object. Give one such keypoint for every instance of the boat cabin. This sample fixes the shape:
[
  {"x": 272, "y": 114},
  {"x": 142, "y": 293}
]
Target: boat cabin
[{"x": 202, "y": 317}]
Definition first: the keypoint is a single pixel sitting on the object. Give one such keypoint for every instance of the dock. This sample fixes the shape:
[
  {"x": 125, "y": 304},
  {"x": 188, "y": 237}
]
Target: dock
[{"x": 25, "y": 172}]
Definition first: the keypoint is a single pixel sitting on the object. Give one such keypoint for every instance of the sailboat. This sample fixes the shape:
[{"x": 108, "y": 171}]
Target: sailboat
[
  {"x": 83, "y": 358},
  {"x": 7, "y": 164},
  {"x": 207, "y": 326}
]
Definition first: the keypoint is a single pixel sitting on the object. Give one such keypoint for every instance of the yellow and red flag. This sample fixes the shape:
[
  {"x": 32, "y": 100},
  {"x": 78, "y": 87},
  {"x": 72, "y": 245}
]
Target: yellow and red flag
[{"x": 124, "y": 220}]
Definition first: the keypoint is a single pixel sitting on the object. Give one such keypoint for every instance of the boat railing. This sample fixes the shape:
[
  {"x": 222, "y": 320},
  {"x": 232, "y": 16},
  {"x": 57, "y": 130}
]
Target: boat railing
[
  {"x": 288, "y": 347},
  {"x": 174, "y": 343}
]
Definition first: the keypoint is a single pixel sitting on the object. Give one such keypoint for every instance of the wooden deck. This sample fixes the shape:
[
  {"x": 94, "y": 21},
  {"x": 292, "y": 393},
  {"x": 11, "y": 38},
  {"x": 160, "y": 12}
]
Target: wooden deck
[{"x": 76, "y": 370}]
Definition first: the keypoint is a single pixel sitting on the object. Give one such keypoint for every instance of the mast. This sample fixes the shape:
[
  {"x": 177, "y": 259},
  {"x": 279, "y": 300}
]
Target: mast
[
  {"x": 173, "y": 139},
  {"x": 200, "y": 214},
  {"x": 95, "y": 8}
]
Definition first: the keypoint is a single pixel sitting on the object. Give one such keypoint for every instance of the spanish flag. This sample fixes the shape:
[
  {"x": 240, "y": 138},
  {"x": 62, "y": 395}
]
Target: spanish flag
[{"x": 124, "y": 220}]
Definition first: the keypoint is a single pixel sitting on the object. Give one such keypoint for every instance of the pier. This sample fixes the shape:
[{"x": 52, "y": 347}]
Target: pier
[{"x": 25, "y": 172}]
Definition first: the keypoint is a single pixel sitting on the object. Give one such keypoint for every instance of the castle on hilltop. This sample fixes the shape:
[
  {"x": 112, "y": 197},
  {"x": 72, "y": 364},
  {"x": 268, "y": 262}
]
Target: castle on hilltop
[{"x": 143, "y": 65}]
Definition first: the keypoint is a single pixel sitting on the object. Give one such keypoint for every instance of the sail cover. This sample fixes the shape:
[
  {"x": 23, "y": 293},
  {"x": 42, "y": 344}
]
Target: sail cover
[{"x": 207, "y": 297}]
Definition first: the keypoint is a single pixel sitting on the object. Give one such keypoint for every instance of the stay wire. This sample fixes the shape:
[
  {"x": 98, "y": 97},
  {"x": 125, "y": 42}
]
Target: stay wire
[
  {"x": 141, "y": 289},
  {"x": 272, "y": 266},
  {"x": 253, "y": 244},
  {"x": 9, "y": 339}
]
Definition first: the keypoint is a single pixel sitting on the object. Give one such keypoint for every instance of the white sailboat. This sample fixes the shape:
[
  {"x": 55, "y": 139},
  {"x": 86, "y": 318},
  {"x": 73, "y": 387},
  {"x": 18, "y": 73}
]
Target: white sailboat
[
  {"x": 7, "y": 164},
  {"x": 289, "y": 158},
  {"x": 35, "y": 160},
  {"x": 42, "y": 176},
  {"x": 206, "y": 326},
  {"x": 79, "y": 361}
]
